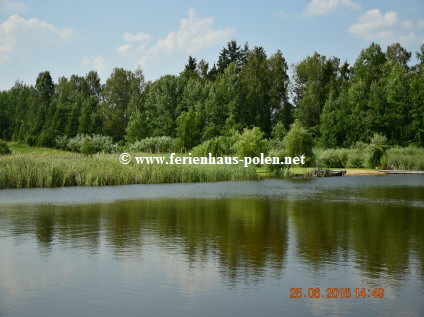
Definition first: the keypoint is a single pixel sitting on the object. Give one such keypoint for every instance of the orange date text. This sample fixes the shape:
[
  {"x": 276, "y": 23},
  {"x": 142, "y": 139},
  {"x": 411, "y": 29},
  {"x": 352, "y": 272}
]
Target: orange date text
[{"x": 316, "y": 292}]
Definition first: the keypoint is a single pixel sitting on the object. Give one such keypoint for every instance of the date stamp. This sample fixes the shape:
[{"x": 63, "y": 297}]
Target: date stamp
[{"x": 330, "y": 293}]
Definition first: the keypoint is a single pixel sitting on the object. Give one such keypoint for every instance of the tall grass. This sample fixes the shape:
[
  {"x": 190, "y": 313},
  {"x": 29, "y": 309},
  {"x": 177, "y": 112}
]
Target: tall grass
[
  {"x": 341, "y": 158},
  {"x": 409, "y": 158},
  {"x": 29, "y": 170}
]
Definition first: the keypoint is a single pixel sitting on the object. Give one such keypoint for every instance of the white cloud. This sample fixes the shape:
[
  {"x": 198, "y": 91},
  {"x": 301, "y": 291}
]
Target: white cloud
[
  {"x": 420, "y": 24},
  {"x": 326, "y": 7},
  {"x": 20, "y": 34},
  {"x": 194, "y": 34},
  {"x": 124, "y": 49},
  {"x": 139, "y": 37},
  {"x": 12, "y": 6},
  {"x": 384, "y": 28},
  {"x": 97, "y": 63},
  {"x": 127, "y": 49}
]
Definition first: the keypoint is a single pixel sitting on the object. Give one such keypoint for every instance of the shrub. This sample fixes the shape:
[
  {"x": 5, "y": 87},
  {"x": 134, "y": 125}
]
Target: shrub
[
  {"x": 218, "y": 146},
  {"x": 87, "y": 146},
  {"x": 251, "y": 143},
  {"x": 95, "y": 144},
  {"x": 376, "y": 150},
  {"x": 4, "y": 148},
  {"x": 46, "y": 139},
  {"x": 160, "y": 144},
  {"x": 280, "y": 170},
  {"x": 278, "y": 131},
  {"x": 332, "y": 157},
  {"x": 356, "y": 159},
  {"x": 61, "y": 142},
  {"x": 299, "y": 141}
]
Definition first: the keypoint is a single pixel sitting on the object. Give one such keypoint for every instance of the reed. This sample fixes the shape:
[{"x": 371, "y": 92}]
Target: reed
[
  {"x": 69, "y": 169},
  {"x": 409, "y": 158}
]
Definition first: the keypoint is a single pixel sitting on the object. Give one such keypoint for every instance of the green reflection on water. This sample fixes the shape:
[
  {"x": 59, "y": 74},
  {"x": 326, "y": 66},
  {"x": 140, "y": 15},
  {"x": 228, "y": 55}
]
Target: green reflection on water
[{"x": 245, "y": 236}]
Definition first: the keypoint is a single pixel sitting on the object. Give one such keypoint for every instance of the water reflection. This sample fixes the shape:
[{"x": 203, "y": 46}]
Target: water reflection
[
  {"x": 236, "y": 249},
  {"x": 245, "y": 236}
]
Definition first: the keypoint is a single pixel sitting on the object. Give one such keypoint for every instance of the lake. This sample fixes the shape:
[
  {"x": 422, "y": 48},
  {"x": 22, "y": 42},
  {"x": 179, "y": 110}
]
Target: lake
[{"x": 216, "y": 249}]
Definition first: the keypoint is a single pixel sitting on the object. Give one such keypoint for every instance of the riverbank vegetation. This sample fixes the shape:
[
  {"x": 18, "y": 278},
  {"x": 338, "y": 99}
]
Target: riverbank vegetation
[
  {"x": 69, "y": 169},
  {"x": 363, "y": 115}
]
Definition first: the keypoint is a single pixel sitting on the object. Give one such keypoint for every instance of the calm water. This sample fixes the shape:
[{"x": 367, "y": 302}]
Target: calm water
[{"x": 217, "y": 249}]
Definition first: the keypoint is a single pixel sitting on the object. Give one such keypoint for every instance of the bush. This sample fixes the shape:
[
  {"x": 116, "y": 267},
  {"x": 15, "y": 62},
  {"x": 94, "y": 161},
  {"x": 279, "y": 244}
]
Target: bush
[
  {"x": 278, "y": 131},
  {"x": 87, "y": 147},
  {"x": 251, "y": 143},
  {"x": 332, "y": 158},
  {"x": 280, "y": 170},
  {"x": 4, "y": 148},
  {"x": 218, "y": 146},
  {"x": 357, "y": 159},
  {"x": 93, "y": 144},
  {"x": 376, "y": 150},
  {"x": 341, "y": 158},
  {"x": 61, "y": 142},
  {"x": 298, "y": 142},
  {"x": 46, "y": 139},
  {"x": 160, "y": 144},
  {"x": 31, "y": 140}
]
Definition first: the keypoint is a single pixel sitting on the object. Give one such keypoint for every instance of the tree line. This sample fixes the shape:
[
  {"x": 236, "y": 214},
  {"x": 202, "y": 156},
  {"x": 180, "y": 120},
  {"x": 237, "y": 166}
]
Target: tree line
[{"x": 337, "y": 103}]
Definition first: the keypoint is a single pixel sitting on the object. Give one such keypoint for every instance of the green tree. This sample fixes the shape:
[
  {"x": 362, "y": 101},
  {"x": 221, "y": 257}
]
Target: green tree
[
  {"x": 45, "y": 87},
  {"x": 279, "y": 131},
  {"x": 298, "y": 142},
  {"x": 251, "y": 143},
  {"x": 117, "y": 93},
  {"x": 189, "y": 129},
  {"x": 315, "y": 77},
  {"x": 233, "y": 53},
  {"x": 279, "y": 82},
  {"x": 397, "y": 54},
  {"x": 161, "y": 106},
  {"x": 255, "y": 81}
]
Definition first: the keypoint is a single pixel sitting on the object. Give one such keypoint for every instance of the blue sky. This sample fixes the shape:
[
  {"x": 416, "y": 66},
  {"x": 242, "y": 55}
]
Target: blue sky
[{"x": 73, "y": 36}]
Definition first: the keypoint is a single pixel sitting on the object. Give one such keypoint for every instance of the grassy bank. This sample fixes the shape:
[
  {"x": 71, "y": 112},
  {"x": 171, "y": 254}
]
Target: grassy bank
[{"x": 68, "y": 169}]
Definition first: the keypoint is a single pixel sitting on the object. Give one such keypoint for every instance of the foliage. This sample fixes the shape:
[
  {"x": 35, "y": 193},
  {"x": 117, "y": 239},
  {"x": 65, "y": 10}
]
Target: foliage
[
  {"x": 410, "y": 158},
  {"x": 87, "y": 144},
  {"x": 279, "y": 131},
  {"x": 218, "y": 146},
  {"x": 159, "y": 144},
  {"x": 298, "y": 142},
  {"x": 339, "y": 104},
  {"x": 4, "y": 148},
  {"x": 251, "y": 143},
  {"x": 26, "y": 171},
  {"x": 332, "y": 158},
  {"x": 278, "y": 170},
  {"x": 376, "y": 150},
  {"x": 188, "y": 129}
]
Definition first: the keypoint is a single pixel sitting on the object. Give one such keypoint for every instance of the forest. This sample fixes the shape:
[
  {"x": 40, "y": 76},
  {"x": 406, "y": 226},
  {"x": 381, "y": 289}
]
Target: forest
[{"x": 336, "y": 103}]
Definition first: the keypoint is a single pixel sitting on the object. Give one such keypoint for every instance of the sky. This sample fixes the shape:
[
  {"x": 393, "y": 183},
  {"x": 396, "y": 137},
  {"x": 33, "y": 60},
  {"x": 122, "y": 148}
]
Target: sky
[{"x": 75, "y": 36}]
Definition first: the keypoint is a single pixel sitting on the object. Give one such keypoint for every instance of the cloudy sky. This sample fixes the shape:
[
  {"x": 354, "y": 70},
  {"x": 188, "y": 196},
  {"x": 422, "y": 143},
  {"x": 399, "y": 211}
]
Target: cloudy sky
[{"x": 75, "y": 36}]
